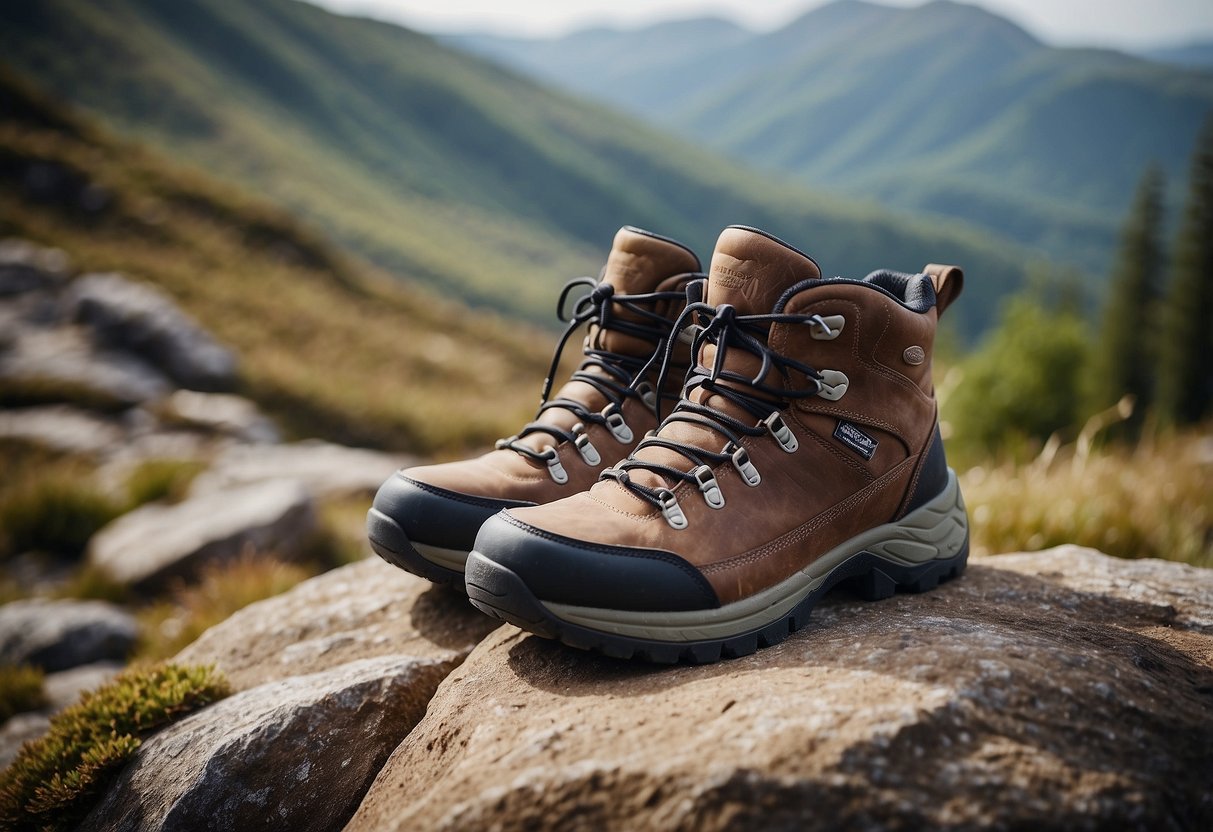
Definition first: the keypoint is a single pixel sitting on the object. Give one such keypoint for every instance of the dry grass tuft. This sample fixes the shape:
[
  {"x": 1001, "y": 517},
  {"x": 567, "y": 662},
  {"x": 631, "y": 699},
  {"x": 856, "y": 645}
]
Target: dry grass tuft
[{"x": 1154, "y": 500}]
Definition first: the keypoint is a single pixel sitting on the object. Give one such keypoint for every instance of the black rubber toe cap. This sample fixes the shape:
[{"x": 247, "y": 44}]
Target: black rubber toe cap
[
  {"x": 561, "y": 570},
  {"x": 437, "y": 516}
]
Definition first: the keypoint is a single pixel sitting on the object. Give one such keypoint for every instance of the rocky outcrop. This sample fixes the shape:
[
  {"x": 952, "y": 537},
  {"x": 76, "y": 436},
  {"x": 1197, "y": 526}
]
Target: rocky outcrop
[
  {"x": 57, "y": 635},
  {"x": 326, "y": 470},
  {"x": 19, "y": 730},
  {"x": 1061, "y": 689},
  {"x": 26, "y": 267},
  {"x": 219, "y": 413},
  {"x": 364, "y": 610},
  {"x": 65, "y": 687},
  {"x": 152, "y": 544},
  {"x": 61, "y": 428},
  {"x": 331, "y": 677},
  {"x": 140, "y": 318},
  {"x": 290, "y": 755},
  {"x": 42, "y": 363}
]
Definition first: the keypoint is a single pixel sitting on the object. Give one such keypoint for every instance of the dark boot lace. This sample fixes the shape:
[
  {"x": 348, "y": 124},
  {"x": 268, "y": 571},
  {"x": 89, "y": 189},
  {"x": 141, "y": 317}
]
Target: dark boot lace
[
  {"x": 727, "y": 331},
  {"x": 622, "y": 376}
]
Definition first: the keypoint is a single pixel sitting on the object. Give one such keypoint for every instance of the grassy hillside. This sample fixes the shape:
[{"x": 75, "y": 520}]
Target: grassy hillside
[
  {"x": 428, "y": 162},
  {"x": 943, "y": 108},
  {"x": 328, "y": 345}
]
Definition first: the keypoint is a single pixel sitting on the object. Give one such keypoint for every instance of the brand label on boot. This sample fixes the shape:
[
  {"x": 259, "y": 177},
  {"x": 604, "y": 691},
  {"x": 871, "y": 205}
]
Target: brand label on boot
[{"x": 855, "y": 439}]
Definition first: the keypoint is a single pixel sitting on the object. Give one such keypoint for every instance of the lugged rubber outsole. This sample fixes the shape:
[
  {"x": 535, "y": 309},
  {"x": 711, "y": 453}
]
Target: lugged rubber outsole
[
  {"x": 497, "y": 591},
  {"x": 390, "y": 542}
]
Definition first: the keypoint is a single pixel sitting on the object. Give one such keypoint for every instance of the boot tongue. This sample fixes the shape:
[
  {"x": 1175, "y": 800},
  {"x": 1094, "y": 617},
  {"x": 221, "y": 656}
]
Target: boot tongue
[
  {"x": 640, "y": 262},
  {"x": 751, "y": 270}
]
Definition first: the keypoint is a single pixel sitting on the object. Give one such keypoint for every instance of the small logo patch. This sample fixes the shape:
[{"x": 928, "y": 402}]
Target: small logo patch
[{"x": 855, "y": 439}]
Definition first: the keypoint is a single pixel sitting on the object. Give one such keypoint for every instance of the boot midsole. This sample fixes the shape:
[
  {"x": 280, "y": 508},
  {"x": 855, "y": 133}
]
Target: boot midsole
[
  {"x": 450, "y": 558},
  {"x": 935, "y": 531}
]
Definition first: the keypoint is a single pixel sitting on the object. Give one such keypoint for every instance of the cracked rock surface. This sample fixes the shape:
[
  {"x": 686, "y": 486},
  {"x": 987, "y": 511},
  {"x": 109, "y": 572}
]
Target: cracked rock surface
[{"x": 1060, "y": 689}]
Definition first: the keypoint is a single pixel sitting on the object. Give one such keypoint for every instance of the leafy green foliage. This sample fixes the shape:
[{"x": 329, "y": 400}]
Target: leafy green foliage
[
  {"x": 20, "y": 690},
  {"x": 1186, "y": 365},
  {"x": 55, "y": 780},
  {"x": 428, "y": 162},
  {"x": 1024, "y": 383},
  {"x": 1125, "y": 357}
]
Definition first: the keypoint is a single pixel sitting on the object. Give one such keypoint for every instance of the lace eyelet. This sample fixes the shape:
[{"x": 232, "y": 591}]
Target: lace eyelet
[
  {"x": 712, "y": 495},
  {"x": 741, "y": 461},
  {"x": 833, "y": 385},
  {"x": 827, "y": 327},
  {"x": 647, "y": 395},
  {"x": 615, "y": 423},
  {"x": 671, "y": 510},
  {"x": 555, "y": 469},
  {"x": 589, "y": 454},
  {"x": 782, "y": 433}
]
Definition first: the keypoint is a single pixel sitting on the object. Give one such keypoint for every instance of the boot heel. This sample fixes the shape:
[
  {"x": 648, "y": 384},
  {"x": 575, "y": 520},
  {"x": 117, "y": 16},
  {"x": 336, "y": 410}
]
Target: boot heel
[
  {"x": 874, "y": 586},
  {"x": 917, "y": 553}
]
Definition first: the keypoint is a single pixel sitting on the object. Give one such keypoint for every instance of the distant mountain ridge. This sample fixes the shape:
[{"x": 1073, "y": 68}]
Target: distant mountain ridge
[
  {"x": 943, "y": 108},
  {"x": 434, "y": 164},
  {"x": 1197, "y": 55}
]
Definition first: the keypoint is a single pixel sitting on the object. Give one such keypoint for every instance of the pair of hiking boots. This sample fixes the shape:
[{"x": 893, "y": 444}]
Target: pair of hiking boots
[{"x": 800, "y": 449}]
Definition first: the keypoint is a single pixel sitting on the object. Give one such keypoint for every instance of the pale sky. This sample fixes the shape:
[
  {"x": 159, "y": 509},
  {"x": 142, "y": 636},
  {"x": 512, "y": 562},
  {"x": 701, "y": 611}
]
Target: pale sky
[{"x": 1122, "y": 23}]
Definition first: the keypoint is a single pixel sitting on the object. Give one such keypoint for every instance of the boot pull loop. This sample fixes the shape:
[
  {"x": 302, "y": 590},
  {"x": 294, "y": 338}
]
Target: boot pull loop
[{"x": 948, "y": 282}]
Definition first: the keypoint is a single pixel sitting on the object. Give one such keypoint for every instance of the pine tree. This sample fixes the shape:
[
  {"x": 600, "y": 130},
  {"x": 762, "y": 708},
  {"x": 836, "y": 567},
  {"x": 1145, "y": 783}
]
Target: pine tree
[
  {"x": 1186, "y": 368},
  {"x": 1125, "y": 357}
]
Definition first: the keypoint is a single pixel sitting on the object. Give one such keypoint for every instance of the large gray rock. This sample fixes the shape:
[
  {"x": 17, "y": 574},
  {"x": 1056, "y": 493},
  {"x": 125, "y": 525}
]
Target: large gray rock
[
  {"x": 1061, "y": 690},
  {"x": 62, "y": 428},
  {"x": 219, "y": 413},
  {"x": 27, "y": 267},
  {"x": 363, "y": 610},
  {"x": 148, "y": 546},
  {"x": 326, "y": 470},
  {"x": 142, "y": 319},
  {"x": 18, "y": 731},
  {"x": 64, "y": 688},
  {"x": 63, "y": 363},
  {"x": 56, "y": 635},
  {"x": 289, "y": 755}
]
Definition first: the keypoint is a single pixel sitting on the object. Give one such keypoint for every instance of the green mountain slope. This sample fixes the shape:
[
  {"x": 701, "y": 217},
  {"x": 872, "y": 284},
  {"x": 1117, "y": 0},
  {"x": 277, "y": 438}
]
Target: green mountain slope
[
  {"x": 943, "y": 108},
  {"x": 433, "y": 164},
  {"x": 326, "y": 344}
]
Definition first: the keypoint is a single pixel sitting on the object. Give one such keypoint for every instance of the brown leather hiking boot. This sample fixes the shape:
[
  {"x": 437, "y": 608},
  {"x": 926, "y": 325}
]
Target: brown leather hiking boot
[
  {"x": 425, "y": 519},
  {"x": 805, "y": 451}
]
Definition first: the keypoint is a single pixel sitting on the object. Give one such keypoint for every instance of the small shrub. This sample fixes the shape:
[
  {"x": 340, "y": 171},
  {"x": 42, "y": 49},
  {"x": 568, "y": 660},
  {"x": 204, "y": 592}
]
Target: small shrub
[
  {"x": 55, "y": 511},
  {"x": 56, "y": 780},
  {"x": 20, "y": 690},
  {"x": 168, "y": 626},
  {"x": 162, "y": 479}
]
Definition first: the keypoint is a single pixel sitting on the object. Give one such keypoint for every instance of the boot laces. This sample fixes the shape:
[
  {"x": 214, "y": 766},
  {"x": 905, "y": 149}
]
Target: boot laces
[
  {"x": 622, "y": 376},
  {"x": 726, "y": 330}
]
